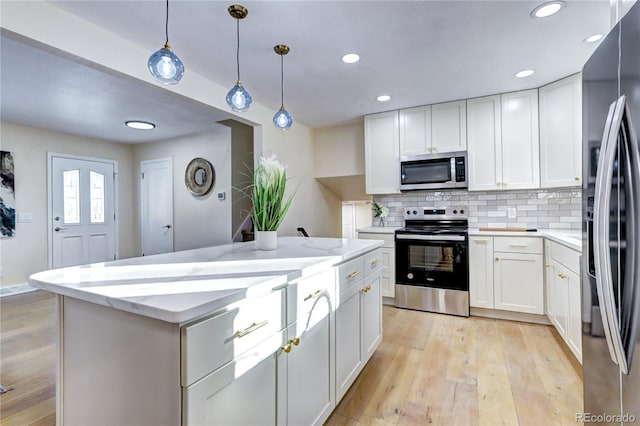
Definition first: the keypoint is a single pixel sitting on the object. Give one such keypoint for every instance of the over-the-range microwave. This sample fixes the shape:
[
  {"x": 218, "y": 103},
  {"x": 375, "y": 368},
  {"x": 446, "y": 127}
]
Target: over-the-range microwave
[{"x": 434, "y": 171}]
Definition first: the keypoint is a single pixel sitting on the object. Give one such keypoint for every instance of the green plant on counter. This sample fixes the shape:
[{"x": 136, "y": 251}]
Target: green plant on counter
[
  {"x": 268, "y": 194},
  {"x": 379, "y": 211}
]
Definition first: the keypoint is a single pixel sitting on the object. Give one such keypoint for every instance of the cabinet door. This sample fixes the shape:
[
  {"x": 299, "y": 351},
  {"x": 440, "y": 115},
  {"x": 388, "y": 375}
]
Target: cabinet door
[
  {"x": 382, "y": 153},
  {"x": 388, "y": 278},
  {"x": 449, "y": 127},
  {"x": 371, "y": 316},
  {"x": 549, "y": 281},
  {"x": 348, "y": 340},
  {"x": 310, "y": 390},
  {"x": 574, "y": 317},
  {"x": 518, "y": 282},
  {"x": 561, "y": 133},
  {"x": 415, "y": 130},
  {"x": 520, "y": 144},
  {"x": 560, "y": 299},
  {"x": 484, "y": 137},
  {"x": 222, "y": 397},
  {"x": 481, "y": 272}
]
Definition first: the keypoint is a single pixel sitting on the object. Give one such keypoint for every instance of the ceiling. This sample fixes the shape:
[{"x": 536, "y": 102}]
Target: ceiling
[{"x": 418, "y": 52}]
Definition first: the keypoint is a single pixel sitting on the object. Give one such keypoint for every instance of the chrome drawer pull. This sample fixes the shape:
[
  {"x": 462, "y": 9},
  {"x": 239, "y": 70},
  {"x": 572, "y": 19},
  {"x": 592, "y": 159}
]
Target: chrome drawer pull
[
  {"x": 314, "y": 295},
  {"x": 253, "y": 327},
  {"x": 353, "y": 274}
]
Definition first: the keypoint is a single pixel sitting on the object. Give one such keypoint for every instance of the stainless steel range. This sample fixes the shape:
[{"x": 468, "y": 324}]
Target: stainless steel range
[{"x": 432, "y": 260}]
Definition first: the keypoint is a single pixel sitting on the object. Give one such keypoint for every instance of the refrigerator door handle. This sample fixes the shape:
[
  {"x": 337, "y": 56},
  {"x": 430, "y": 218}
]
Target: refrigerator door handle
[{"x": 601, "y": 231}]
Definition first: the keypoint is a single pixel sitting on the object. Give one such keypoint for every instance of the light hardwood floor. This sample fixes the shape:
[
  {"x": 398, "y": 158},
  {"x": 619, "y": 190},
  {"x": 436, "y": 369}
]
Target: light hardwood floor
[{"x": 429, "y": 369}]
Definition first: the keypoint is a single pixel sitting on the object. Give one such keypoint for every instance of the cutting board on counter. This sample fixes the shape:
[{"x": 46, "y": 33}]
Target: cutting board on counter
[{"x": 508, "y": 229}]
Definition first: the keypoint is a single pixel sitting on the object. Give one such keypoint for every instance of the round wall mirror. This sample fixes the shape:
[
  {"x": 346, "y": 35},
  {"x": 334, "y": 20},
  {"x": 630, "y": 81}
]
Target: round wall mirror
[{"x": 199, "y": 177}]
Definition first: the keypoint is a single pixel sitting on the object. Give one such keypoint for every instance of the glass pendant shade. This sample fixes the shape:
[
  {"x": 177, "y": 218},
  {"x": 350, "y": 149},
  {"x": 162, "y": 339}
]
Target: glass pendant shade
[
  {"x": 283, "y": 119},
  {"x": 238, "y": 98},
  {"x": 165, "y": 66}
]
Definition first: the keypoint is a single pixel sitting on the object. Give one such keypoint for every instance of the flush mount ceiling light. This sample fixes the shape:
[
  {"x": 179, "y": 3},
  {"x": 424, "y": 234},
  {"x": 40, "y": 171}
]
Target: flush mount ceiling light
[
  {"x": 350, "y": 58},
  {"x": 238, "y": 98},
  {"x": 140, "y": 125},
  {"x": 282, "y": 119},
  {"x": 524, "y": 73},
  {"x": 593, "y": 38},
  {"x": 164, "y": 65},
  {"x": 383, "y": 98},
  {"x": 547, "y": 9}
]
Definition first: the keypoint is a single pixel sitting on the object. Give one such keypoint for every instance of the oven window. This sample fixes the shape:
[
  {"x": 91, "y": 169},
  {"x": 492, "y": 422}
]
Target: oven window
[
  {"x": 431, "y": 258},
  {"x": 434, "y": 171}
]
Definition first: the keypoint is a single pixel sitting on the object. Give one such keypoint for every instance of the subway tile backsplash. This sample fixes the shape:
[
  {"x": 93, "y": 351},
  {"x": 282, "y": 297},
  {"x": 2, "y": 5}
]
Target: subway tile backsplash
[{"x": 540, "y": 209}]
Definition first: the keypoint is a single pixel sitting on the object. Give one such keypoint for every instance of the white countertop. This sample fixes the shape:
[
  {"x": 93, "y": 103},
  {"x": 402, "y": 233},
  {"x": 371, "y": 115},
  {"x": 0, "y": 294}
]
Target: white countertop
[
  {"x": 379, "y": 229},
  {"x": 177, "y": 287},
  {"x": 568, "y": 237}
]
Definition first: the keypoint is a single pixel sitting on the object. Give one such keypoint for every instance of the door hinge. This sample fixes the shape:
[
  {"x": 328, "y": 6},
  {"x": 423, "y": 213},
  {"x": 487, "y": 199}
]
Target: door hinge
[{"x": 142, "y": 175}]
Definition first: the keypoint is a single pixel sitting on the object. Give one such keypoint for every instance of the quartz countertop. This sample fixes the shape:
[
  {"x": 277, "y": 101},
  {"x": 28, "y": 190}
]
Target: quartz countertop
[
  {"x": 180, "y": 286},
  {"x": 379, "y": 229},
  {"x": 568, "y": 237}
]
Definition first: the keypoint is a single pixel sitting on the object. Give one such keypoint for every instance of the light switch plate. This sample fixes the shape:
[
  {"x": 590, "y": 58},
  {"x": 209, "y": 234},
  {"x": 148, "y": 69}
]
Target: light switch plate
[{"x": 25, "y": 217}]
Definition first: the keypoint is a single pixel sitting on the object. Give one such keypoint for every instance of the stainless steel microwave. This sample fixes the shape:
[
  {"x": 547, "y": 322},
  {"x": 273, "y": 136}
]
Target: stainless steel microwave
[{"x": 434, "y": 171}]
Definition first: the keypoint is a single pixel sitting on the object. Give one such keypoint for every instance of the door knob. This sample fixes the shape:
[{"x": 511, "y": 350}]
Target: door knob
[
  {"x": 58, "y": 229},
  {"x": 167, "y": 226}
]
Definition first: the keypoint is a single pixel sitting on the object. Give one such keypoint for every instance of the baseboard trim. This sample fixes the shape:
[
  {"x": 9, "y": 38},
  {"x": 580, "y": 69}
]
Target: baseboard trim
[
  {"x": 12, "y": 290},
  {"x": 508, "y": 315}
]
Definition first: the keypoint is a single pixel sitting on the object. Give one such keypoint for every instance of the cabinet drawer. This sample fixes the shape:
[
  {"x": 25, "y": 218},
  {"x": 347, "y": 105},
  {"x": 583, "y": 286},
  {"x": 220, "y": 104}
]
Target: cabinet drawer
[
  {"x": 373, "y": 261},
  {"x": 389, "y": 239},
  {"x": 566, "y": 256},
  {"x": 518, "y": 244},
  {"x": 303, "y": 294},
  {"x": 213, "y": 342},
  {"x": 350, "y": 273}
]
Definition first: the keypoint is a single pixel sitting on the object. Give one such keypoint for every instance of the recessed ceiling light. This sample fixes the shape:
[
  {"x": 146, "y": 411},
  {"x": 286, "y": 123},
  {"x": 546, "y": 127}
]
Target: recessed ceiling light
[
  {"x": 593, "y": 38},
  {"x": 383, "y": 98},
  {"x": 547, "y": 9},
  {"x": 350, "y": 58},
  {"x": 140, "y": 125},
  {"x": 524, "y": 73}
]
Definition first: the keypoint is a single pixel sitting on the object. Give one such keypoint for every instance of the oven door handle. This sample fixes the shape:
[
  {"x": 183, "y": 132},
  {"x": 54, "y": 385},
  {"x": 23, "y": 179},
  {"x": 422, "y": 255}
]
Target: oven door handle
[{"x": 430, "y": 237}]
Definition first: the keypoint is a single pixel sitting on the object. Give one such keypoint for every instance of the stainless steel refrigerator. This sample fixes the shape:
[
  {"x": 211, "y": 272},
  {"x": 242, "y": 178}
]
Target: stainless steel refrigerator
[{"x": 611, "y": 227}]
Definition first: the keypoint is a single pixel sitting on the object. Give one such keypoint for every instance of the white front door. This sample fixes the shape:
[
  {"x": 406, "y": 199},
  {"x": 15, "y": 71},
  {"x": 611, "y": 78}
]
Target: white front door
[
  {"x": 156, "y": 206},
  {"x": 82, "y": 210}
]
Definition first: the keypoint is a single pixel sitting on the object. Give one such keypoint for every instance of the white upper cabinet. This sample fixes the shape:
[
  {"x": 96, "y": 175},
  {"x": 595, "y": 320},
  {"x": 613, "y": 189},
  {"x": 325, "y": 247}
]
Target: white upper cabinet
[
  {"x": 415, "y": 130},
  {"x": 433, "y": 128},
  {"x": 561, "y": 133},
  {"x": 485, "y": 143},
  {"x": 449, "y": 127},
  {"x": 503, "y": 141},
  {"x": 520, "y": 144},
  {"x": 382, "y": 153}
]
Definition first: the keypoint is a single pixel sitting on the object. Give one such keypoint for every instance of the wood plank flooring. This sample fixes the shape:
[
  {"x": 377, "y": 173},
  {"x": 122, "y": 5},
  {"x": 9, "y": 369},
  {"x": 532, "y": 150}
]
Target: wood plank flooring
[
  {"x": 429, "y": 369},
  {"x": 444, "y": 370}
]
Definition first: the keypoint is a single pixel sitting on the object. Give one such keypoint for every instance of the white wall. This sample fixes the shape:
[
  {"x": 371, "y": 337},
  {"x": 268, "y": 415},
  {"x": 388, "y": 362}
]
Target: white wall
[
  {"x": 26, "y": 253},
  {"x": 197, "y": 221},
  {"x": 339, "y": 151},
  {"x": 313, "y": 207}
]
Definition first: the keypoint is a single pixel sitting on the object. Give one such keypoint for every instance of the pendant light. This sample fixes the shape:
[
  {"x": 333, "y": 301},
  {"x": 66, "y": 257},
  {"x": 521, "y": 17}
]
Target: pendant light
[
  {"x": 282, "y": 119},
  {"x": 238, "y": 98},
  {"x": 164, "y": 65}
]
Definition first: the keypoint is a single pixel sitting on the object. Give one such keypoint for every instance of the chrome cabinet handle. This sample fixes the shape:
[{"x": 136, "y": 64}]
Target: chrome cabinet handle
[
  {"x": 253, "y": 327},
  {"x": 167, "y": 226},
  {"x": 58, "y": 229}
]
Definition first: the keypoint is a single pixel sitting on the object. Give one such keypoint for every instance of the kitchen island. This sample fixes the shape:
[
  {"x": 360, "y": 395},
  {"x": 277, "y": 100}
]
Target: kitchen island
[{"x": 220, "y": 335}]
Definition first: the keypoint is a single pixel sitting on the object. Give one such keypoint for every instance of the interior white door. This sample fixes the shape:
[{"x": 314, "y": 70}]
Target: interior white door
[
  {"x": 156, "y": 192},
  {"x": 83, "y": 219},
  {"x": 348, "y": 220}
]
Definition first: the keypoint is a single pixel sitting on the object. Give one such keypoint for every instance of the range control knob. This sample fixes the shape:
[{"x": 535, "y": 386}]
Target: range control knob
[
  {"x": 408, "y": 211},
  {"x": 415, "y": 212},
  {"x": 456, "y": 211},
  {"x": 461, "y": 211}
]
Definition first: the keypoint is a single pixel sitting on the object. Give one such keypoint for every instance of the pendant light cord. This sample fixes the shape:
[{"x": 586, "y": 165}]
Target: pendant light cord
[
  {"x": 166, "y": 25},
  {"x": 238, "y": 47},
  {"x": 281, "y": 81}
]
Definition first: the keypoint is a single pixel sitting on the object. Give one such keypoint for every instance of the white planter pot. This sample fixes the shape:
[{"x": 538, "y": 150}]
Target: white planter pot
[{"x": 267, "y": 240}]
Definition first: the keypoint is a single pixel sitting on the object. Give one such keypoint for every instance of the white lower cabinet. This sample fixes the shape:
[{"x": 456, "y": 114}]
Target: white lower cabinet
[
  {"x": 388, "y": 257},
  {"x": 563, "y": 294},
  {"x": 505, "y": 273}
]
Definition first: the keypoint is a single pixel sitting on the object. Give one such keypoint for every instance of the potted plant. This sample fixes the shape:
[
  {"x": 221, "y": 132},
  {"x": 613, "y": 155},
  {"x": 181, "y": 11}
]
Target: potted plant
[
  {"x": 379, "y": 211},
  {"x": 269, "y": 202}
]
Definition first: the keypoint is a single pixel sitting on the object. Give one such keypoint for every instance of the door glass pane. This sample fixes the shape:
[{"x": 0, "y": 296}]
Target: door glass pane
[
  {"x": 71, "y": 182},
  {"x": 96, "y": 181}
]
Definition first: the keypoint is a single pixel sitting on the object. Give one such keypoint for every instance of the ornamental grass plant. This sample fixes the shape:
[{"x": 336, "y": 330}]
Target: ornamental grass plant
[{"x": 268, "y": 194}]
